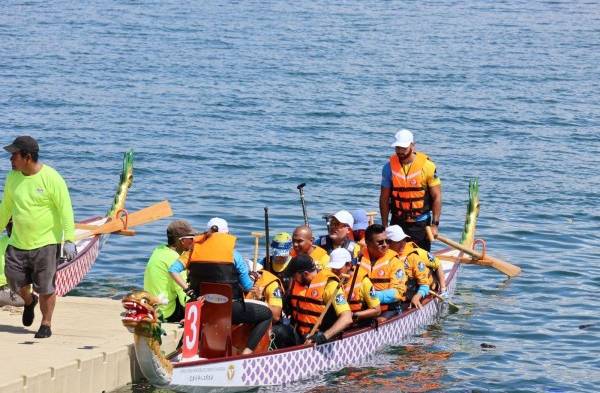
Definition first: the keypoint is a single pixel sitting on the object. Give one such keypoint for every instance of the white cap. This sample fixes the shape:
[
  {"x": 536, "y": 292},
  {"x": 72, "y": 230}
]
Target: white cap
[
  {"x": 219, "y": 223},
  {"x": 395, "y": 233},
  {"x": 403, "y": 138},
  {"x": 338, "y": 258},
  {"x": 344, "y": 217}
]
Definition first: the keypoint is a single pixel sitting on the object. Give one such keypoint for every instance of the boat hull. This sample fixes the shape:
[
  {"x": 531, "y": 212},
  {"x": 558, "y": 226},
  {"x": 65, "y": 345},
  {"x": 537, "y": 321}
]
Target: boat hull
[{"x": 302, "y": 362}]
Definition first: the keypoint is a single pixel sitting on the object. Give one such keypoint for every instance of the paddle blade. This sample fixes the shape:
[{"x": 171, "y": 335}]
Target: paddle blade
[{"x": 503, "y": 266}]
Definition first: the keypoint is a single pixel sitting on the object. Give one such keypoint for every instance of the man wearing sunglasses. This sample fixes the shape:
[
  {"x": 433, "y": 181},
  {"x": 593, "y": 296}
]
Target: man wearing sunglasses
[
  {"x": 339, "y": 236},
  {"x": 159, "y": 281},
  {"x": 384, "y": 268}
]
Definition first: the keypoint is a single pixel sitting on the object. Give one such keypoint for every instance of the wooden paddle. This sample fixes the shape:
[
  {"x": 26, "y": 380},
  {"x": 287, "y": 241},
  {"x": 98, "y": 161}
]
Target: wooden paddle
[
  {"x": 371, "y": 216},
  {"x": 257, "y": 236},
  {"x": 320, "y": 320},
  {"x": 478, "y": 258},
  {"x": 452, "y": 305},
  {"x": 140, "y": 217}
]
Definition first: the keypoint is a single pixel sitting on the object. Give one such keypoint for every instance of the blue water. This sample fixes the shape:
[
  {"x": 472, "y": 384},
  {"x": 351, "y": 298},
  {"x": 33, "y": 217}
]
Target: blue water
[{"x": 229, "y": 105}]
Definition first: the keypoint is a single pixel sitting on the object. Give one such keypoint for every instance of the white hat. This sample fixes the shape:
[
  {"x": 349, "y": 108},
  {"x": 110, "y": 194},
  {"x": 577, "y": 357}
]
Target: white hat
[
  {"x": 219, "y": 223},
  {"x": 344, "y": 217},
  {"x": 395, "y": 233},
  {"x": 403, "y": 138},
  {"x": 339, "y": 257}
]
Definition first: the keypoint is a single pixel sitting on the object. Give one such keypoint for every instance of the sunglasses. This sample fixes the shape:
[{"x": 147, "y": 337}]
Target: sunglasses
[
  {"x": 186, "y": 237},
  {"x": 382, "y": 242}
]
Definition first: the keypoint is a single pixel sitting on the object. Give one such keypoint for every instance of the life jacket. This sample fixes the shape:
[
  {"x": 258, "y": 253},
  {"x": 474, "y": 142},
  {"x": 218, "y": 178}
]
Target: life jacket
[
  {"x": 266, "y": 278},
  {"x": 307, "y": 302},
  {"x": 380, "y": 272},
  {"x": 410, "y": 196},
  {"x": 410, "y": 250},
  {"x": 211, "y": 260},
  {"x": 319, "y": 256},
  {"x": 355, "y": 300}
]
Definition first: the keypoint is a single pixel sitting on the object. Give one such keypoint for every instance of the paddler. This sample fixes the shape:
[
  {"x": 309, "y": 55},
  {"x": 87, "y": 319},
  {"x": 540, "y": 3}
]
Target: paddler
[
  {"x": 358, "y": 287},
  {"x": 385, "y": 270},
  {"x": 418, "y": 265},
  {"x": 311, "y": 292},
  {"x": 180, "y": 236},
  {"x": 302, "y": 244},
  {"x": 213, "y": 258},
  {"x": 411, "y": 190},
  {"x": 340, "y": 234}
]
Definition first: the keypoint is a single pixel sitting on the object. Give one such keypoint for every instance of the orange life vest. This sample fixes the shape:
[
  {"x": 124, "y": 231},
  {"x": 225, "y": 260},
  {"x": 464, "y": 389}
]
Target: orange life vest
[
  {"x": 266, "y": 278},
  {"x": 307, "y": 302},
  {"x": 410, "y": 196},
  {"x": 380, "y": 272},
  {"x": 411, "y": 248},
  {"x": 211, "y": 260}
]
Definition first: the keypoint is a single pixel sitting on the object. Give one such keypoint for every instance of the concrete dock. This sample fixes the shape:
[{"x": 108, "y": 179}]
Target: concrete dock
[{"x": 89, "y": 351}]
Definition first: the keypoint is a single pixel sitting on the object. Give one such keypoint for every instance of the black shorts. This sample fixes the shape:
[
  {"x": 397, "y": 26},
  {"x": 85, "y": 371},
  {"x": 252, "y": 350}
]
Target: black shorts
[{"x": 37, "y": 267}]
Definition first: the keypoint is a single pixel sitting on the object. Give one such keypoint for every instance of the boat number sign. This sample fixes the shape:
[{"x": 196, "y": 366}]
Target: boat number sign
[{"x": 191, "y": 329}]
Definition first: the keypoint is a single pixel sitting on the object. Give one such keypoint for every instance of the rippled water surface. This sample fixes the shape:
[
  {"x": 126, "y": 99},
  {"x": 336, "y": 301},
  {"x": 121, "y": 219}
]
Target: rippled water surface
[{"x": 229, "y": 105}]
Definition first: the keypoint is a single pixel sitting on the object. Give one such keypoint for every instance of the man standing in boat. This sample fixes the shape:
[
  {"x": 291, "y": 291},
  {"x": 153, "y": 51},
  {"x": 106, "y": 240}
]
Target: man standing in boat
[
  {"x": 37, "y": 199},
  {"x": 311, "y": 292},
  {"x": 385, "y": 270},
  {"x": 158, "y": 282},
  {"x": 302, "y": 244},
  {"x": 411, "y": 190},
  {"x": 340, "y": 230}
]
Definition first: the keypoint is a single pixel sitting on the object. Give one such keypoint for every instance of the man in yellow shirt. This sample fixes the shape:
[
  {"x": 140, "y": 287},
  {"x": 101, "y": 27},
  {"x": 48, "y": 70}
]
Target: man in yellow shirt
[
  {"x": 302, "y": 244},
  {"x": 358, "y": 287},
  {"x": 37, "y": 199},
  {"x": 310, "y": 294},
  {"x": 411, "y": 190}
]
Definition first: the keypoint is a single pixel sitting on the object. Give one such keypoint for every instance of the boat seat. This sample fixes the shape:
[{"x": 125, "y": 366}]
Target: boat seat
[{"x": 215, "y": 322}]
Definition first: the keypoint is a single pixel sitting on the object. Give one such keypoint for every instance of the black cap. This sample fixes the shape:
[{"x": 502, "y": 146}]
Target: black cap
[
  {"x": 300, "y": 263},
  {"x": 180, "y": 228},
  {"x": 24, "y": 144}
]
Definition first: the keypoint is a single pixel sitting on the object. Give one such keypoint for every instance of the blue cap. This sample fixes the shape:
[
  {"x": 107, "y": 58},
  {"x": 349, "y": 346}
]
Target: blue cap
[{"x": 360, "y": 219}]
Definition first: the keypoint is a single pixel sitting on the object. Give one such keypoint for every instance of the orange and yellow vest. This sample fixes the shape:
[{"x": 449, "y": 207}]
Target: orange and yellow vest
[
  {"x": 307, "y": 302},
  {"x": 211, "y": 260},
  {"x": 413, "y": 256},
  {"x": 410, "y": 196},
  {"x": 355, "y": 301},
  {"x": 266, "y": 278},
  {"x": 381, "y": 272}
]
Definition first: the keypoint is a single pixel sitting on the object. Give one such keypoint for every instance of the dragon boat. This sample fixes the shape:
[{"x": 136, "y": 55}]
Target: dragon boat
[
  {"x": 70, "y": 273},
  {"x": 286, "y": 365}
]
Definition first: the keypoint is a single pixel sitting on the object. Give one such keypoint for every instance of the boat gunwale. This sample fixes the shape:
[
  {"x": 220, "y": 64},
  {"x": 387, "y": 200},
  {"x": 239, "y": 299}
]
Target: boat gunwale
[{"x": 86, "y": 249}]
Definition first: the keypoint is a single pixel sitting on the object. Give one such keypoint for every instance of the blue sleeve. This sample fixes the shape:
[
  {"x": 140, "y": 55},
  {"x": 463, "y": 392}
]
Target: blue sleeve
[
  {"x": 423, "y": 290},
  {"x": 386, "y": 296},
  {"x": 176, "y": 267},
  {"x": 386, "y": 176},
  {"x": 243, "y": 274}
]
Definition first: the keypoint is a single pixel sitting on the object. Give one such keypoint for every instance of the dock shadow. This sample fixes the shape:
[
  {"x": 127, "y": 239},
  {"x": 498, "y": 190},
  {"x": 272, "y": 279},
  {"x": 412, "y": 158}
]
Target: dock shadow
[{"x": 15, "y": 329}]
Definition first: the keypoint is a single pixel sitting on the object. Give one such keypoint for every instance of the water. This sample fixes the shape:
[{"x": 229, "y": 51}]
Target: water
[{"x": 230, "y": 105}]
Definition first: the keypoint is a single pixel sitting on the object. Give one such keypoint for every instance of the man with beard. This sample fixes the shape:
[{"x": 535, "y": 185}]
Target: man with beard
[
  {"x": 340, "y": 229},
  {"x": 411, "y": 191}
]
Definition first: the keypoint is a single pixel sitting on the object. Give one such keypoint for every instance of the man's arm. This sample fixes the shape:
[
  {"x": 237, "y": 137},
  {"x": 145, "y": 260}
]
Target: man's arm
[
  {"x": 384, "y": 205},
  {"x": 435, "y": 193}
]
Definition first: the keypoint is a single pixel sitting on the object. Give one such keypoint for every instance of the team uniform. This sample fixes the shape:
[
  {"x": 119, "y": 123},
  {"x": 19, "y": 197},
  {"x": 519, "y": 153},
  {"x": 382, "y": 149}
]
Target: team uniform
[{"x": 319, "y": 256}]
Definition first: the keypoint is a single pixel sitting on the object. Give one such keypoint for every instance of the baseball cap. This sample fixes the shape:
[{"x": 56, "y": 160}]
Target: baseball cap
[
  {"x": 338, "y": 258},
  {"x": 180, "y": 228},
  {"x": 361, "y": 220},
  {"x": 300, "y": 263},
  {"x": 281, "y": 244},
  {"x": 395, "y": 233},
  {"x": 403, "y": 138},
  {"x": 24, "y": 143},
  {"x": 344, "y": 217},
  {"x": 220, "y": 223}
]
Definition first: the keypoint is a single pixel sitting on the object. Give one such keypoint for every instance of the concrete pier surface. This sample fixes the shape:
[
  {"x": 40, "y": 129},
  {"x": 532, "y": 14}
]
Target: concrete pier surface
[{"x": 89, "y": 351}]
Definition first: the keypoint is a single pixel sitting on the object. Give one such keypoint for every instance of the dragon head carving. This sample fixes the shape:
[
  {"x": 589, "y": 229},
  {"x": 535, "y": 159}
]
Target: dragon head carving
[{"x": 141, "y": 315}]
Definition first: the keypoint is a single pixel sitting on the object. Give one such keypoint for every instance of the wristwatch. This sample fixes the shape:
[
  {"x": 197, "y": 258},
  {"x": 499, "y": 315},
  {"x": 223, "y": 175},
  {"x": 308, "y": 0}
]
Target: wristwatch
[{"x": 436, "y": 223}]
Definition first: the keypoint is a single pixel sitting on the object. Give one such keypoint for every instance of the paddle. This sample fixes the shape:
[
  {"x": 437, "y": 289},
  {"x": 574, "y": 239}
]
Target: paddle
[
  {"x": 478, "y": 258},
  {"x": 140, "y": 217},
  {"x": 453, "y": 307},
  {"x": 257, "y": 236},
  {"x": 371, "y": 216},
  {"x": 300, "y": 188},
  {"x": 320, "y": 319},
  {"x": 267, "y": 242}
]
